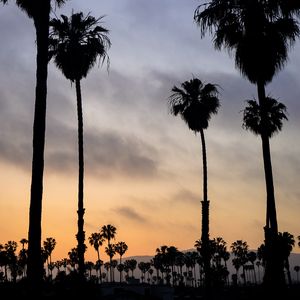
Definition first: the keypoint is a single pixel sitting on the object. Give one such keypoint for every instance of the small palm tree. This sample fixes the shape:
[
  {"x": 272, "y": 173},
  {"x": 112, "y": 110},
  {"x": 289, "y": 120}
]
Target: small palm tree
[
  {"x": 286, "y": 244},
  {"x": 39, "y": 12},
  {"x": 121, "y": 248},
  {"x": 96, "y": 240},
  {"x": 75, "y": 44},
  {"x": 110, "y": 251},
  {"x": 196, "y": 102},
  {"x": 23, "y": 242},
  {"x": 297, "y": 269},
  {"x": 49, "y": 245},
  {"x": 108, "y": 232}
]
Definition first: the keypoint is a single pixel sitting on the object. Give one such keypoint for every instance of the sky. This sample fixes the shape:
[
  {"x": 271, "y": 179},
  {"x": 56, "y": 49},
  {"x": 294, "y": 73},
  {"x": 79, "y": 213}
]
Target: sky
[{"x": 143, "y": 166}]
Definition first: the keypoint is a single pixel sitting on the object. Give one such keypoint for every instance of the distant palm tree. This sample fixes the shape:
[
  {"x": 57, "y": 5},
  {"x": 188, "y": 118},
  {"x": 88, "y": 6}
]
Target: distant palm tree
[
  {"x": 23, "y": 242},
  {"x": 39, "y": 12},
  {"x": 110, "y": 251},
  {"x": 121, "y": 248},
  {"x": 286, "y": 243},
  {"x": 297, "y": 269},
  {"x": 240, "y": 250},
  {"x": 96, "y": 240},
  {"x": 196, "y": 102},
  {"x": 76, "y": 43},
  {"x": 259, "y": 34},
  {"x": 49, "y": 245},
  {"x": 108, "y": 232}
]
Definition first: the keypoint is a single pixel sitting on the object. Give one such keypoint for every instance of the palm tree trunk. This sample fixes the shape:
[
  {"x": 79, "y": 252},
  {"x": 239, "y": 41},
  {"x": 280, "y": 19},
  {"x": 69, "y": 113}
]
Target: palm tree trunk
[
  {"x": 80, "y": 212},
  {"x": 100, "y": 271},
  {"x": 35, "y": 263},
  {"x": 274, "y": 270},
  {"x": 205, "y": 219}
]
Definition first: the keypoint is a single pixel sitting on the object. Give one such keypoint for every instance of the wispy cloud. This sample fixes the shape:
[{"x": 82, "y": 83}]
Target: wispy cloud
[{"x": 131, "y": 214}]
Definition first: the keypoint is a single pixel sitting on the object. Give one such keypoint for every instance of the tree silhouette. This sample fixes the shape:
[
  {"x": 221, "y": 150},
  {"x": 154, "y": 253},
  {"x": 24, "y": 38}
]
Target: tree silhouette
[
  {"x": 39, "y": 12},
  {"x": 259, "y": 34},
  {"x": 297, "y": 269},
  {"x": 96, "y": 240},
  {"x": 195, "y": 102},
  {"x": 76, "y": 43},
  {"x": 110, "y": 251},
  {"x": 49, "y": 245},
  {"x": 286, "y": 244},
  {"x": 121, "y": 248}
]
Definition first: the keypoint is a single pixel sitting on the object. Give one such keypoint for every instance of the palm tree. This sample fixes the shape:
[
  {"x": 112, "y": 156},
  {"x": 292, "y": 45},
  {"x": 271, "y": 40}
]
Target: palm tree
[
  {"x": 49, "y": 245},
  {"x": 23, "y": 242},
  {"x": 39, "y": 12},
  {"x": 96, "y": 240},
  {"x": 240, "y": 249},
  {"x": 286, "y": 243},
  {"x": 297, "y": 269},
  {"x": 76, "y": 43},
  {"x": 259, "y": 34},
  {"x": 108, "y": 232},
  {"x": 196, "y": 102},
  {"x": 121, "y": 248},
  {"x": 110, "y": 251}
]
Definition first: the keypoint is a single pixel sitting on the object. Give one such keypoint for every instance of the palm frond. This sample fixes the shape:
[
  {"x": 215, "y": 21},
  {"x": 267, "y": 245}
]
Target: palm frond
[
  {"x": 268, "y": 119},
  {"x": 195, "y": 102}
]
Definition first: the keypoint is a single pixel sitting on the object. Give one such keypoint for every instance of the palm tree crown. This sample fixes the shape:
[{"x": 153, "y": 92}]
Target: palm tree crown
[
  {"x": 259, "y": 33},
  {"x": 76, "y": 43},
  {"x": 195, "y": 102},
  {"x": 108, "y": 232},
  {"x": 275, "y": 114}
]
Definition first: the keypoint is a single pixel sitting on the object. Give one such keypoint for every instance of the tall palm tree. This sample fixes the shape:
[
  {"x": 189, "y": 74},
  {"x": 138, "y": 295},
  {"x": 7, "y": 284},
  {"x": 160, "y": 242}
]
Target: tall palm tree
[
  {"x": 195, "y": 102},
  {"x": 96, "y": 240},
  {"x": 76, "y": 43},
  {"x": 275, "y": 113},
  {"x": 39, "y": 12},
  {"x": 259, "y": 33}
]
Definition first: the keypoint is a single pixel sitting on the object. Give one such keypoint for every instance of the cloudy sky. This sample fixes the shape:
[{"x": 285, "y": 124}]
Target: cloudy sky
[{"x": 143, "y": 169}]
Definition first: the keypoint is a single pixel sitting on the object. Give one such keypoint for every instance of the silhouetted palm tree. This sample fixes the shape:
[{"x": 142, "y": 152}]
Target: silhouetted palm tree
[
  {"x": 121, "y": 248},
  {"x": 96, "y": 240},
  {"x": 259, "y": 33},
  {"x": 49, "y": 245},
  {"x": 240, "y": 251},
  {"x": 23, "y": 242},
  {"x": 108, "y": 232},
  {"x": 39, "y": 12},
  {"x": 297, "y": 269},
  {"x": 110, "y": 251},
  {"x": 76, "y": 43},
  {"x": 196, "y": 102},
  {"x": 286, "y": 243}
]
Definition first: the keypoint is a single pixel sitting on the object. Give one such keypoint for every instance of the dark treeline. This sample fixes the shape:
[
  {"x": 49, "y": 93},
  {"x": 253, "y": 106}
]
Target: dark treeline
[{"x": 168, "y": 266}]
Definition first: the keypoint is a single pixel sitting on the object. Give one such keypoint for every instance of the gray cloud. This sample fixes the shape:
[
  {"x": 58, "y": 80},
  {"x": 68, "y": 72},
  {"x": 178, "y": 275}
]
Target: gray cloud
[
  {"x": 185, "y": 196},
  {"x": 131, "y": 214}
]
